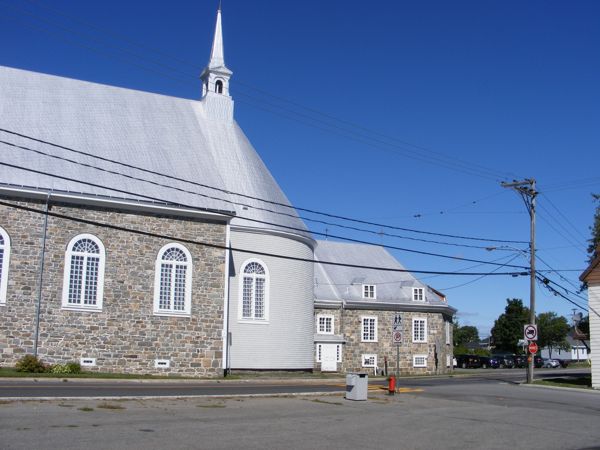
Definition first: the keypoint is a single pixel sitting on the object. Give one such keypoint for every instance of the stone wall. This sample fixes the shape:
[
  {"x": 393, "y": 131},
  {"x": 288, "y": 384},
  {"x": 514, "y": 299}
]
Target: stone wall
[
  {"x": 349, "y": 324},
  {"x": 125, "y": 336}
]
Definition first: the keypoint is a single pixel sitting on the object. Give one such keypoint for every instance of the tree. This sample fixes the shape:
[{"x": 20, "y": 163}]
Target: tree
[
  {"x": 552, "y": 331},
  {"x": 465, "y": 334},
  {"x": 508, "y": 327}
]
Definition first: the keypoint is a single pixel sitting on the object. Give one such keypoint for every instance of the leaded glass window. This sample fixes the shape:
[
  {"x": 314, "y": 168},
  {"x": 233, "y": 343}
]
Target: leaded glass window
[
  {"x": 84, "y": 273},
  {"x": 254, "y": 291},
  {"x": 173, "y": 280}
]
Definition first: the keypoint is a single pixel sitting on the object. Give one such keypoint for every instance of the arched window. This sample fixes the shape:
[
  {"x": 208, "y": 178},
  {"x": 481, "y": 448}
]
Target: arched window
[
  {"x": 4, "y": 261},
  {"x": 173, "y": 281},
  {"x": 219, "y": 87},
  {"x": 254, "y": 291},
  {"x": 83, "y": 282}
]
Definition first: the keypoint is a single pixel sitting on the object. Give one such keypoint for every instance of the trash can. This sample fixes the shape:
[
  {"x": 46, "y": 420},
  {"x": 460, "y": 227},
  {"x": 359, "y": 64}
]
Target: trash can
[{"x": 357, "y": 385}]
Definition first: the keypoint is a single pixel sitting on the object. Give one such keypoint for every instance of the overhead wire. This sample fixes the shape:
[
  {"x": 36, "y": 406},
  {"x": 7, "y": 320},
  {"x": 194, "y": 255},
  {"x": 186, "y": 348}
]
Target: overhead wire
[
  {"x": 225, "y": 213},
  {"x": 228, "y": 247},
  {"x": 451, "y": 163},
  {"x": 297, "y": 208}
]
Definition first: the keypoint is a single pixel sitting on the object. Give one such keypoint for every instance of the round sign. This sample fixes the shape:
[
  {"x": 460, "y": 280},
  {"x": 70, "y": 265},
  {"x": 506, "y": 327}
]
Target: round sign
[
  {"x": 533, "y": 348},
  {"x": 531, "y": 332},
  {"x": 397, "y": 337}
]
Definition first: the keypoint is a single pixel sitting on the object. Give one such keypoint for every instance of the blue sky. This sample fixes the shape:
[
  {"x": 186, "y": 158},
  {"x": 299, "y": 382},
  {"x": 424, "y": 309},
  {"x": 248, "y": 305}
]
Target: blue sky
[{"x": 366, "y": 110}]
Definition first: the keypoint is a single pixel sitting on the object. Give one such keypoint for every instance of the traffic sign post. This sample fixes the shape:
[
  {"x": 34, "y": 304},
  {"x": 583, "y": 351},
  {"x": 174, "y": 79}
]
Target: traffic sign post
[{"x": 397, "y": 340}]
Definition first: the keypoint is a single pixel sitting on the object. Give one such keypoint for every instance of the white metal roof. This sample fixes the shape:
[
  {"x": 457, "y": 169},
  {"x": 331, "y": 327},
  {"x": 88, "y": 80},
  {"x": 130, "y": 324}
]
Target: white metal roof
[
  {"x": 345, "y": 283},
  {"x": 172, "y": 136}
]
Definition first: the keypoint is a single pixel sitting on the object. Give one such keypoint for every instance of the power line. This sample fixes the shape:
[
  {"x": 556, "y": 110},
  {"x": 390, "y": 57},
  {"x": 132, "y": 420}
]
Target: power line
[
  {"x": 443, "y": 160},
  {"x": 478, "y": 278},
  {"x": 235, "y": 249},
  {"x": 311, "y": 211},
  {"x": 364, "y": 230},
  {"x": 225, "y": 213}
]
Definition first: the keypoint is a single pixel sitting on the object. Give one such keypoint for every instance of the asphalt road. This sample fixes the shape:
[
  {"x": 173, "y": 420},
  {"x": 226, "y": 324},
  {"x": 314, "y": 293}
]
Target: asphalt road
[
  {"x": 73, "y": 388},
  {"x": 456, "y": 413}
]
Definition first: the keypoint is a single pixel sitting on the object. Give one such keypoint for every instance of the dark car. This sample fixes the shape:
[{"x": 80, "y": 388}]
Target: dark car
[
  {"x": 505, "y": 361},
  {"x": 468, "y": 361},
  {"x": 538, "y": 362},
  {"x": 489, "y": 362},
  {"x": 520, "y": 361}
]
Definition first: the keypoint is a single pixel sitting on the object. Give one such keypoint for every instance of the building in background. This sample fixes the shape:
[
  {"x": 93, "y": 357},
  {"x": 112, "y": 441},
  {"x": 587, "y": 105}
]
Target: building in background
[{"x": 592, "y": 277}]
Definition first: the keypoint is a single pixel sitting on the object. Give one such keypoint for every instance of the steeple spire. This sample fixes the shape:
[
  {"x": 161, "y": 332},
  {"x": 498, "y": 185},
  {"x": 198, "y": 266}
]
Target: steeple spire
[
  {"x": 217, "y": 58},
  {"x": 215, "y": 77}
]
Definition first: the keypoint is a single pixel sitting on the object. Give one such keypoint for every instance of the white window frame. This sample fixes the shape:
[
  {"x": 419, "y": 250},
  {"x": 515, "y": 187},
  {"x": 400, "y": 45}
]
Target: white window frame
[
  {"x": 253, "y": 320},
  {"x": 318, "y": 353},
  {"x": 362, "y": 329},
  {"x": 67, "y": 275},
  {"x": 419, "y": 338},
  {"x": 365, "y": 356},
  {"x": 325, "y": 317},
  {"x": 4, "y": 265},
  {"x": 418, "y": 294},
  {"x": 369, "y": 291},
  {"x": 187, "y": 297},
  {"x": 423, "y": 364}
]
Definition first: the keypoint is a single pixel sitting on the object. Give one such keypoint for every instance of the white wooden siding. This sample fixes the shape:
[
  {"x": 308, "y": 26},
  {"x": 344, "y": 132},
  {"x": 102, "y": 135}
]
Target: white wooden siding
[{"x": 594, "y": 308}]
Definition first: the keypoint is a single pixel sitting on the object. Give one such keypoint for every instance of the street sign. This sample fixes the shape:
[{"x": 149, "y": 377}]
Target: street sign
[
  {"x": 397, "y": 325},
  {"x": 397, "y": 337},
  {"x": 533, "y": 348},
  {"x": 530, "y": 332}
]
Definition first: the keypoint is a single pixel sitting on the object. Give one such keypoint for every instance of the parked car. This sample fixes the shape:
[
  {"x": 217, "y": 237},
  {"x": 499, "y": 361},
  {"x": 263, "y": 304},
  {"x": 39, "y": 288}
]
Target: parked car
[
  {"x": 538, "y": 362},
  {"x": 520, "y": 361},
  {"x": 468, "y": 361},
  {"x": 489, "y": 362},
  {"x": 505, "y": 361},
  {"x": 551, "y": 363}
]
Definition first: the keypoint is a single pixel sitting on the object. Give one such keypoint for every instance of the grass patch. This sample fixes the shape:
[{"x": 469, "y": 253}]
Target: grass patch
[
  {"x": 584, "y": 382},
  {"x": 5, "y": 402},
  {"x": 86, "y": 409},
  {"x": 212, "y": 405},
  {"x": 9, "y": 372},
  {"x": 64, "y": 405},
  {"x": 109, "y": 406}
]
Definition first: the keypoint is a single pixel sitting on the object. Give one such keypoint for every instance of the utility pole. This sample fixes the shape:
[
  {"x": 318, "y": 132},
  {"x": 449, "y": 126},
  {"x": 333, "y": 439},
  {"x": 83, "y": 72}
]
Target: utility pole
[{"x": 526, "y": 189}]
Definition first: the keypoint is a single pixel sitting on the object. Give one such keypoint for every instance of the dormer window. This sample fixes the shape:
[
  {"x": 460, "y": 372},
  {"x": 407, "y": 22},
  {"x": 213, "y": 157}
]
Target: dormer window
[
  {"x": 219, "y": 87},
  {"x": 369, "y": 291},
  {"x": 418, "y": 294}
]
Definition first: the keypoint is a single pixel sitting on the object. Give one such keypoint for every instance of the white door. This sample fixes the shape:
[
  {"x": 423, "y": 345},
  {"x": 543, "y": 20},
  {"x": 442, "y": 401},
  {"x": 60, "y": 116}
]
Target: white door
[{"x": 329, "y": 358}]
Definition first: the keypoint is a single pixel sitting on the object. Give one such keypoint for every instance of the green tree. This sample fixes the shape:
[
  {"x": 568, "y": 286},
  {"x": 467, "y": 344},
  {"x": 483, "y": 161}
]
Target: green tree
[
  {"x": 508, "y": 327},
  {"x": 465, "y": 334},
  {"x": 552, "y": 331}
]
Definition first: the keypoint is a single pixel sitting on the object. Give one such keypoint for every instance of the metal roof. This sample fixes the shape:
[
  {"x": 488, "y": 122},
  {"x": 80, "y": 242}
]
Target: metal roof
[
  {"x": 345, "y": 283},
  {"x": 171, "y": 136}
]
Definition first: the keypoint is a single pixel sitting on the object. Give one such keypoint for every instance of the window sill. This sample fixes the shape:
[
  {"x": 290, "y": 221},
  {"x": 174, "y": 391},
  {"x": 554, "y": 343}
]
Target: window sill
[
  {"x": 81, "y": 308},
  {"x": 172, "y": 314},
  {"x": 254, "y": 321}
]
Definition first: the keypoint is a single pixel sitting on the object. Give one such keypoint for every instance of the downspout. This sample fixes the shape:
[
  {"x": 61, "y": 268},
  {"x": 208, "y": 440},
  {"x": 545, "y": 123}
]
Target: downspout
[
  {"x": 226, "y": 335},
  {"x": 40, "y": 280}
]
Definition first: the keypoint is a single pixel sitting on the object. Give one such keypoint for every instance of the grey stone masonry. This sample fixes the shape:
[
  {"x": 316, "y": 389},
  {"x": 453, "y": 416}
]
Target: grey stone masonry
[
  {"x": 437, "y": 350},
  {"x": 125, "y": 335}
]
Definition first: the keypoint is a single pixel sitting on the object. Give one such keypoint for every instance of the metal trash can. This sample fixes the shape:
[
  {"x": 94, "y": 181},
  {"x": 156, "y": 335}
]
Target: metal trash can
[{"x": 357, "y": 385}]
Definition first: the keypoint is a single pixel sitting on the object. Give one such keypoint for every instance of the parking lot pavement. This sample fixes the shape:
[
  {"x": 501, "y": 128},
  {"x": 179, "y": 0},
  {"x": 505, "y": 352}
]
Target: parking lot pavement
[{"x": 497, "y": 417}]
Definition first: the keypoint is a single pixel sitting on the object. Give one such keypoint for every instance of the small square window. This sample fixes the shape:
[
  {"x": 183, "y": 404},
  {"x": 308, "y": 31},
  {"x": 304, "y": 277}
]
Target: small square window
[
  {"x": 324, "y": 324},
  {"x": 420, "y": 361},
  {"x": 369, "y": 360},
  {"x": 418, "y": 294},
  {"x": 369, "y": 291}
]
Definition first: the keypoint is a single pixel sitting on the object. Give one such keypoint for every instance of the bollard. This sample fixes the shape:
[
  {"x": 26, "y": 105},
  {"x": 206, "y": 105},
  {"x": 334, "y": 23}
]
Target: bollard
[{"x": 391, "y": 385}]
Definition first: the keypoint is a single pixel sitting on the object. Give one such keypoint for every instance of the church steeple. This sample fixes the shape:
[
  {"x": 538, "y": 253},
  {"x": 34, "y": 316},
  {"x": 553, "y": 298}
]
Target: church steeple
[{"x": 215, "y": 77}]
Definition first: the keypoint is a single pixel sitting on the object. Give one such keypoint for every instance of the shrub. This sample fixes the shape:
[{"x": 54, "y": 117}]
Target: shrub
[
  {"x": 31, "y": 364},
  {"x": 68, "y": 368}
]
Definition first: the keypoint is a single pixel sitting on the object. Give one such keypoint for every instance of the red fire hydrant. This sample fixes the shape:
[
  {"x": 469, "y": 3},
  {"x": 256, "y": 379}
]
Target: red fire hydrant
[{"x": 391, "y": 385}]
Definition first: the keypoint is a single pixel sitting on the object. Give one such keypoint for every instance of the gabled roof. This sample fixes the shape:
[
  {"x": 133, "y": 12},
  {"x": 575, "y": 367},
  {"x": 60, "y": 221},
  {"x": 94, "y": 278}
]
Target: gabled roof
[
  {"x": 171, "y": 136},
  {"x": 345, "y": 283},
  {"x": 594, "y": 265}
]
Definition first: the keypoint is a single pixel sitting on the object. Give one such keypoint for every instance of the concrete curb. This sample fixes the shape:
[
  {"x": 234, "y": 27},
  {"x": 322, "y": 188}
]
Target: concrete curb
[{"x": 561, "y": 388}]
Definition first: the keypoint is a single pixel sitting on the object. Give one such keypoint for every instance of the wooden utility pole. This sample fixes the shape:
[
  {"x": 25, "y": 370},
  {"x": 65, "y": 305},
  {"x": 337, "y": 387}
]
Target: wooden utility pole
[{"x": 526, "y": 189}]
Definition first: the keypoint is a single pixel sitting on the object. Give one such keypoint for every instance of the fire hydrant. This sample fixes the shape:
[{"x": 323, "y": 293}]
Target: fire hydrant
[{"x": 391, "y": 385}]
